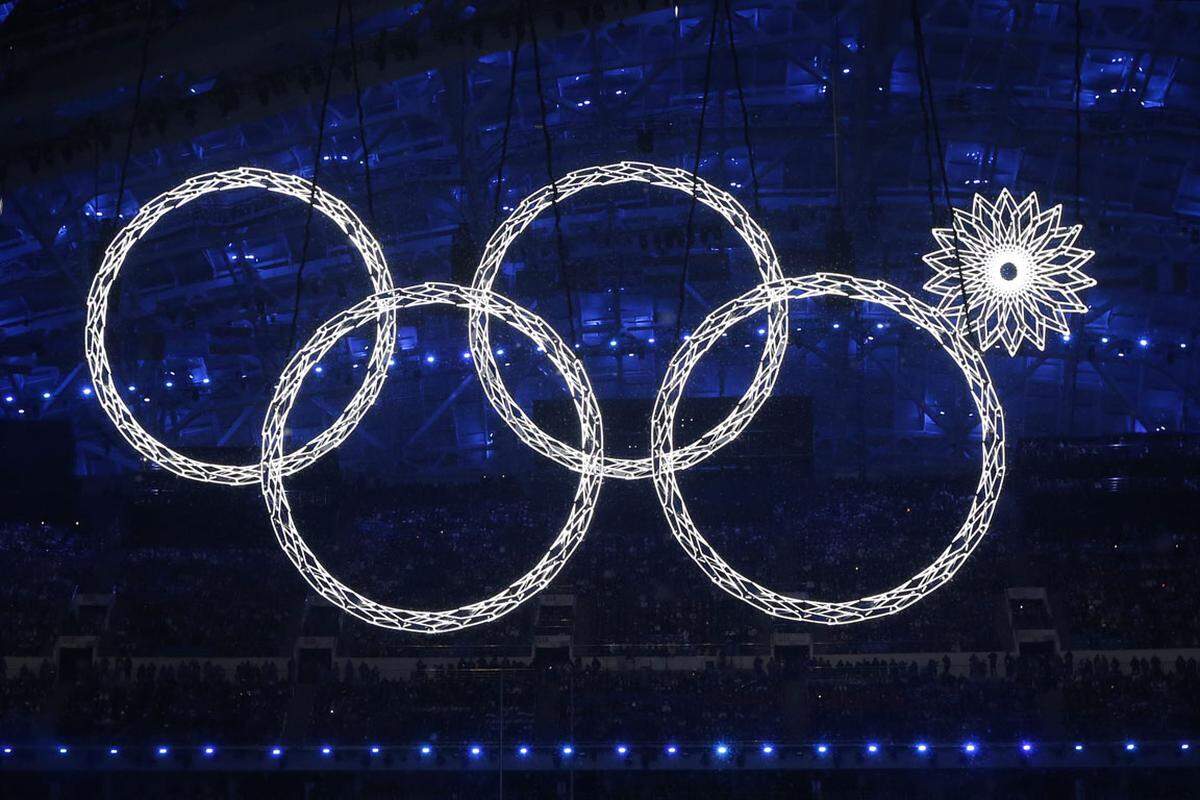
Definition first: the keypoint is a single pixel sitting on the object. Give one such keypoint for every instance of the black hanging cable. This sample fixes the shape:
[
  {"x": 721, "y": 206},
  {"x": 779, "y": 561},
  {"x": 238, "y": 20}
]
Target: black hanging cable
[
  {"x": 1078, "y": 114},
  {"x": 137, "y": 105},
  {"x": 508, "y": 114},
  {"x": 928, "y": 146},
  {"x": 312, "y": 195},
  {"x": 687, "y": 245},
  {"x": 362, "y": 124},
  {"x": 737, "y": 77},
  {"x": 558, "y": 234},
  {"x": 923, "y": 75}
]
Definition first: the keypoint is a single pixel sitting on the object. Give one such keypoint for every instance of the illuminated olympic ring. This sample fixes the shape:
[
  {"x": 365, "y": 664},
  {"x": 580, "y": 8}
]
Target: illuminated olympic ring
[
  {"x": 584, "y": 503},
  {"x": 589, "y": 460},
  {"x": 669, "y": 178},
  {"x": 101, "y": 291},
  {"x": 929, "y": 319}
]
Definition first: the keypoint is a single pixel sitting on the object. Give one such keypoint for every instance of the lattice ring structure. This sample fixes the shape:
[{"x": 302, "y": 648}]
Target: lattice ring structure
[
  {"x": 272, "y": 465},
  {"x": 718, "y": 570},
  {"x": 724, "y": 204},
  {"x": 101, "y": 291}
]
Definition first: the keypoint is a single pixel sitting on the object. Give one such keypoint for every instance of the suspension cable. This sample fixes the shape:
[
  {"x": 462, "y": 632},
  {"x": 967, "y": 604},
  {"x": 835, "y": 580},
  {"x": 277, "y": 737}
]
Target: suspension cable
[
  {"x": 362, "y": 124},
  {"x": 508, "y": 115},
  {"x": 312, "y": 196},
  {"x": 687, "y": 246},
  {"x": 558, "y": 234},
  {"x": 737, "y": 77},
  {"x": 923, "y": 74}
]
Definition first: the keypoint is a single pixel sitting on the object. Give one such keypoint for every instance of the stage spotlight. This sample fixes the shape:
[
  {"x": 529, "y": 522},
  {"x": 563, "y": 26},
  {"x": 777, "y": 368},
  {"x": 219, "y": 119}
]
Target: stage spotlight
[
  {"x": 1026, "y": 747},
  {"x": 1184, "y": 746},
  {"x": 822, "y": 749},
  {"x": 430, "y": 359},
  {"x": 722, "y": 750},
  {"x": 163, "y": 750},
  {"x": 568, "y": 750},
  {"x": 922, "y": 747},
  {"x": 522, "y": 751},
  {"x": 768, "y": 749},
  {"x": 276, "y": 752},
  {"x": 426, "y": 749},
  {"x": 375, "y": 749},
  {"x": 326, "y": 750},
  {"x": 209, "y": 750},
  {"x": 672, "y": 749},
  {"x": 622, "y": 749},
  {"x": 1078, "y": 748},
  {"x": 970, "y": 747},
  {"x": 113, "y": 751},
  {"x": 476, "y": 751},
  {"x": 1130, "y": 747},
  {"x": 62, "y": 750},
  {"x": 7, "y": 751},
  {"x": 872, "y": 748}
]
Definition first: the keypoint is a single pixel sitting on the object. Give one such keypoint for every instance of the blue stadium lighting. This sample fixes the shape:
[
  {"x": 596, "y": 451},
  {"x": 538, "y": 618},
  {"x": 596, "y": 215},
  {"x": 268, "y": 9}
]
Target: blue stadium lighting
[
  {"x": 1066, "y": 337},
  {"x": 1130, "y": 747},
  {"x": 476, "y": 751},
  {"x": 318, "y": 369},
  {"x": 86, "y": 391},
  {"x": 131, "y": 388},
  {"x": 1183, "y": 345},
  {"x": 8, "y": 398},
  {"x": 1143, "y": 342},
  {"x": 426, "y": 749},
  {"x": 768, "y": 749},
  {"x": 374, "y": 749},
  {"x": 970, "y": 747},
  {"x": 499, "y": 351},
  {"x": 276, "y": 752},
  {"x": 163, "y": 750},
  {"x": 722, "y": 750},
  {"x": 1184, "y": 746},
  {"x": 62, "y": 750},
  {"x": 1103, "y": 340},
  {"x": 922, "y": 747},
  {"x": 762, "y": 331},
  {"x": 672, "y": 749},
  {"x": 114, "y": 751},
  {"x": 7, "y": 750},
  {"x": 326, "y": 750},
  {"x": 169, "y": 384},
  {"x": 612, "y": 342},
  {"x": 523, "y": 751},
  {"x": 1078, "y": 748},
  {"x": 822, "y": 749},
  {"x": 837, "y": 326},
  {"x": 431, "y": 359},
  {"x": 206, "y": 380},
  {"x": 209, "y": 750},
  {"x": 622, "y": 749},
  {"x": 45, "y": 395},
  {"x": 651, "y": 340},
  {"x": 872, "y": 748},
  {"x": 568, "y": 750},
  {"x": 1026, "y": 747}
]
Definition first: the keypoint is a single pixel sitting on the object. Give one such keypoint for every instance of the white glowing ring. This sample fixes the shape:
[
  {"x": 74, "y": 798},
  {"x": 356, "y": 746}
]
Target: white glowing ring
[
  {"x": 592, "y": 446},
  {"x": 608, "y": 175},
  {"x": 114, "y": 257},
  {"x": 991, "y": 417}
]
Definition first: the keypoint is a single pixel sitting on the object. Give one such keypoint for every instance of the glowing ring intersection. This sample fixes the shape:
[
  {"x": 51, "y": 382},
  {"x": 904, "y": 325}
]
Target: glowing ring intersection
[
  {"x": 101, "y": 291},
  {"x": 568, "y": 539},
  {"x": 589, "y": 460},
  {"x": 979, "y": 382},
  {"x": 724, "y": 204}
]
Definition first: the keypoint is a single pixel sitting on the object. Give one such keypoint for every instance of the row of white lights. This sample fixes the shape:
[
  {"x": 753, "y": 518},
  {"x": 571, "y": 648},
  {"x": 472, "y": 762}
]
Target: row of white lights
[{"x": 720, "y": 749}]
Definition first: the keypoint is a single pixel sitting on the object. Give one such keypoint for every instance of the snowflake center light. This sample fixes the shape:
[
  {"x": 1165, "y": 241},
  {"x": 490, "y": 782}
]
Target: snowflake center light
[{"x": 1009, "y": 270}]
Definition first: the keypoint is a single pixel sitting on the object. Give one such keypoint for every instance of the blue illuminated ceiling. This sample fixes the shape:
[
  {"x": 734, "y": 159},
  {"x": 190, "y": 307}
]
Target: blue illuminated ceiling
[{"x": 840, "y": 148}]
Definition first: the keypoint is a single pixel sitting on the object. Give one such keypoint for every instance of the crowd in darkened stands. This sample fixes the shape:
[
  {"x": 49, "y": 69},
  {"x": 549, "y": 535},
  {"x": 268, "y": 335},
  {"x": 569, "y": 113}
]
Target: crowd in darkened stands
[{"x": 633, "y": 592}]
